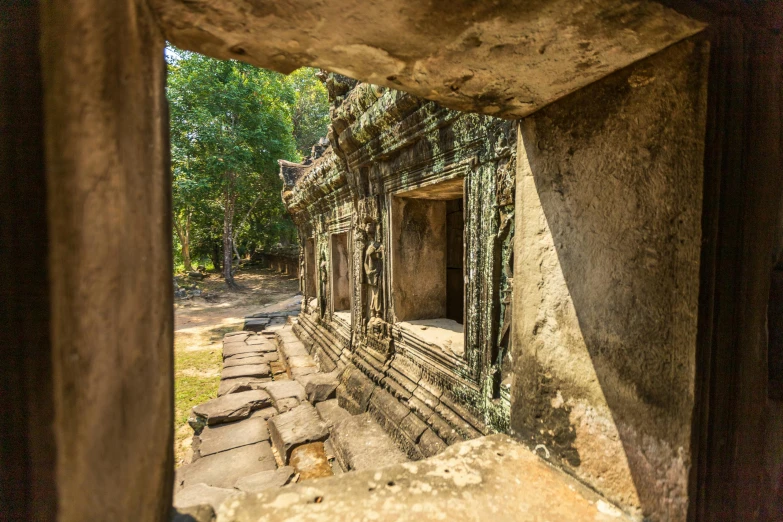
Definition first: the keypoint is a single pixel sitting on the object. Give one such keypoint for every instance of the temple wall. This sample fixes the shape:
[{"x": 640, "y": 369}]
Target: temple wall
[{"x": 608, "y": 239}]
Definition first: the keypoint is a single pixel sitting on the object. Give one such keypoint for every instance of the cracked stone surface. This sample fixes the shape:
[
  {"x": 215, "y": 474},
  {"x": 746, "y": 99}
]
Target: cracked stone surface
[
  {"x": 241, "y": 384},
  {"x": 360, "y": 443},
  {"x": 469, "y": 481},
  {"x": 298, "y": 426},
  {"x": 223, "y": 437},
  {"x": 331, "y": 412},
  {"x": 246, "y": 370},
  {"x": 265, "y": 480},
  {"x": 232, "y": 407},
  {"x": 198, "y": 494},
  {"x": 224, "y": 469}
]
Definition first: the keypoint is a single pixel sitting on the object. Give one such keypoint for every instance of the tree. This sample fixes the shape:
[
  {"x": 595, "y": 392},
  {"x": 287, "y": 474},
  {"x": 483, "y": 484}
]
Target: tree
[
  {"x": 230, "y": 123},
  {"x": 311, "y": 108}
]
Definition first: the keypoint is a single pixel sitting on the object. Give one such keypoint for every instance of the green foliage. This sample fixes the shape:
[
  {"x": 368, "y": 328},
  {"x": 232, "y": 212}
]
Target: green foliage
[
  {"x": 230, "y": 123},
  {"x": 311, "y": 109}
]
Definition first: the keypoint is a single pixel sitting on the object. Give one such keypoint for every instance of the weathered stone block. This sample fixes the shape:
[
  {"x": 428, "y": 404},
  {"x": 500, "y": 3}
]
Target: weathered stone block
[
  {"x": 232, "y": 407},
  {"x": 231, "y": 349},
  {"x": 241, "y": 384},
  {"x": 413, "y": 426},
  {"x": 287, "y": 404},
  {"x": 246, "y": 370},
  {"x": 224, "y": 469},
  {"x": 298, "y": 426},
  {"x": 360, "y": 443},
  {"x": 331, "y": 412},
  {"x": 283, "y": 389},
  {"x": 358, "y": 388},
  {"x": 430, "y": 444},
  {"x": 310, "y": 461},
  {"x": 320, "y": 386},
  {"x": 298, "y": 373},
  {"x": 223, "y": 437}
]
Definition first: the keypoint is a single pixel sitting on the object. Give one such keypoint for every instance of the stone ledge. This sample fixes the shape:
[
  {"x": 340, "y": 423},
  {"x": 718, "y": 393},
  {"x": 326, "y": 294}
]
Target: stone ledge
[{"x": 490, "y": 478}]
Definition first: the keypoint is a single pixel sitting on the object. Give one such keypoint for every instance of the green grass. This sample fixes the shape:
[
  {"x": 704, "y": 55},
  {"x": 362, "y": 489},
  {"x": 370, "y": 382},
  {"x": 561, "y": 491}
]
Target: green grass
[{"x": 190, "y": 390}]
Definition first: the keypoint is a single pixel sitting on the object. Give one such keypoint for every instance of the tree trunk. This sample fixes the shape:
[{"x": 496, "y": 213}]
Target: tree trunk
[
  {"x": 184, "y": 238},
  {"x": 215, "y": 254},
  {"x": 228, "y": 231}
]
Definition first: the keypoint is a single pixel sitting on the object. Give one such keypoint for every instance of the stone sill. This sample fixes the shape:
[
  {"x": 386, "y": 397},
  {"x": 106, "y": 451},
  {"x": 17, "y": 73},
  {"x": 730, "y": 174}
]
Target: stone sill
[
  {"x": 446, "y": 334},
  {"x": 491, "y": 478}
]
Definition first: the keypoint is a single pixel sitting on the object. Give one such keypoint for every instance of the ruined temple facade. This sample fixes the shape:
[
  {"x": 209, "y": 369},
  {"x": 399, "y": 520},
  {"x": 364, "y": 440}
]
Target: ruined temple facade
[{"x": 466, "y": 275}]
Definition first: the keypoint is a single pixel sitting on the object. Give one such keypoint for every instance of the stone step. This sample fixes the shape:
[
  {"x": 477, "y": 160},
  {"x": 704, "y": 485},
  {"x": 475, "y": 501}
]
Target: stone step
[
  {"x": 224, "y": 437},
  {"x": 231, "y": 407},
  {"x": 223, "y": 469},
  {"x": 299, "y": 426},
  {"x": 360, "y": 443}
]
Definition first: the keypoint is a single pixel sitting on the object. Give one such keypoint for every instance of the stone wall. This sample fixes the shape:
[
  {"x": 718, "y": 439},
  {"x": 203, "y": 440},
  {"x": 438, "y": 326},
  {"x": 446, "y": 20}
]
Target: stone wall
[{"x": 606, "y": 286}]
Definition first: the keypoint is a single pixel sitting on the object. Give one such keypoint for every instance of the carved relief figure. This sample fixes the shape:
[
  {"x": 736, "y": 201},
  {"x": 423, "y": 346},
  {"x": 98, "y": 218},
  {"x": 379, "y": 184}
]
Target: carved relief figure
[
  {"x": 373, "y": 269},
  {"x": 323, "y": 278}
]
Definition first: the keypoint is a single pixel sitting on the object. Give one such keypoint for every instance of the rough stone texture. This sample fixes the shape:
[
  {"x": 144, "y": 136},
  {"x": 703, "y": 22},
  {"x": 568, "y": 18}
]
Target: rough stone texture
[
  {"x": 198, "y": 494},
  {"x": 99, "y": 79},
  {"x": 287, "y": 404},
  {"x": 200, "y": 513},
  {"x": 232, "y": 407},
  {"x": 241, "y": 384},
  {"x": 279, "y": 390},
  {"x": 265, "y": 480},
  {"x": 214, "y": 439},
  {"x": 491, "y": 478},
  {"x": 507, "y": 59},
  {"x": 231, "y": 349},
  {"x": 243, "y": 361},
  {"x": 320, "y": 386},
  {"x": 236, "y": 336},
  {"x": 224, "y": 469},
  {"x": 247, "y": 370},
  {"x": 255, "y": 325},
  {"x": 298, "y": 426},
  {"x": 331, "y": 412},
  {"x": 310, "y": 461},
  {"x": 607, "y": 280},
  {"x": 360, "y": 443}
]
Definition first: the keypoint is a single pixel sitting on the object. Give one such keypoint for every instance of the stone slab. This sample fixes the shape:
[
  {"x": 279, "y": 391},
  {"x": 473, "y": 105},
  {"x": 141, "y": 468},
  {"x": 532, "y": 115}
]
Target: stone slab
[
  {"x": 223, "y": 437},
  {"x": 331, "y": 412},
  {"x": 258, "y": 340},
  {"x": 241, "y": 384},
  {"x": 244, "y": 361},
  {"x": 236, "y": 335},
  {"x": 265, "y": 480},
  {"x": 320, "y": 386},
  {"x": 490, "y": 478},
  {"x": 293, "y": 349},
  {"x": 310, "y": 461},
  {"x": 229, "y": 350},
  {"x": 199, "y": 494},
  {"x": 284, "y": 389},
  {"x": 246, "y": 370},
  {"x": 224, "y": 469},
  {"x": 289, "y": 403},
  {"x": 361, "y": 443},
  {"x": 299, "y": 426},
  {"x": 232, "y": 407}
]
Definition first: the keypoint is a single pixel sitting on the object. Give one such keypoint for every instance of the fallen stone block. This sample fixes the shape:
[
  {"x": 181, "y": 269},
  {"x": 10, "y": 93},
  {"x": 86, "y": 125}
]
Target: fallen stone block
[
  {"x": 283, "y": 389},
  {"x": 255, "y": 325},
  {"x": 246, "y": 370},
  {"x": 319, "y": 386},
  {"x": 331, "y": 412},
  {"x": 199, "y": 494},
  {"x": 265, "y": 480},
  {"x": 231, "y": 407},
  {"x": 241, "y": 384},
  {"x": 360, "y": 443},
  {"x": 223, "y": 469},
  {"x": 310, "y": 461},
  {"x": 224, "y": 437},
  {"x": 298, "y": 426}
]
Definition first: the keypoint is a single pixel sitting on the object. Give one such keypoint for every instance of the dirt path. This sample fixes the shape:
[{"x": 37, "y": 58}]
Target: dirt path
[{"x": 199, "y": 326}]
